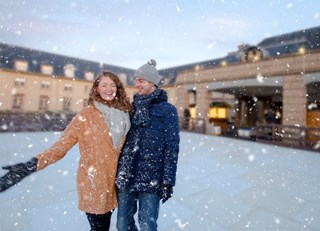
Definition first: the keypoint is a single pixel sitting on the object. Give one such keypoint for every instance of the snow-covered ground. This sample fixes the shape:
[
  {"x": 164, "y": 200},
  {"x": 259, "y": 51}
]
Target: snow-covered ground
[{"x": 222, "y": 184}]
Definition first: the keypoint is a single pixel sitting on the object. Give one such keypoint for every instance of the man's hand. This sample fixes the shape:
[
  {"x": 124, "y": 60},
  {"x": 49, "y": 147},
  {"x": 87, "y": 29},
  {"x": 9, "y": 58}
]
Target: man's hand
[{"x": 166, "y": 192}]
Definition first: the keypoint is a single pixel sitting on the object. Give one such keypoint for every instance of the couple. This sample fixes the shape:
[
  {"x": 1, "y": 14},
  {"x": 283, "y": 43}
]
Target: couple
[{"x": 128, "y": 153}]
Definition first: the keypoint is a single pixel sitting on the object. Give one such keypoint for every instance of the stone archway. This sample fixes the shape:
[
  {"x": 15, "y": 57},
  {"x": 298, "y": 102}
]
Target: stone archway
[{"x": 292, "y": 91}]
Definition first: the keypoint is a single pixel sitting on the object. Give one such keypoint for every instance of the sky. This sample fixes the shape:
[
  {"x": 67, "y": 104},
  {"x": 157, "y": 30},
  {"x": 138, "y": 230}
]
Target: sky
[
  {"x": 222, "y": 184},
  {"x": 128, "y": 33}
]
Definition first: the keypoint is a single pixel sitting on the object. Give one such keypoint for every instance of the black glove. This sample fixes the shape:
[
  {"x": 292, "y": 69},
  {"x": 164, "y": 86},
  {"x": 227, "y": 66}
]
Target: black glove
[
  {"x": 16, "y": 173},
  {"x": 166, "y": 192}
]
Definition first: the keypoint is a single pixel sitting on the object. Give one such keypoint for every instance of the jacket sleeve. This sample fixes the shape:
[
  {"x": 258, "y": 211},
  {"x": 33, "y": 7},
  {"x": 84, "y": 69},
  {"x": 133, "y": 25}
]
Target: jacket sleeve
[
  {"x": 59, "y": 149},
  {"x": 172, "y": 140}
]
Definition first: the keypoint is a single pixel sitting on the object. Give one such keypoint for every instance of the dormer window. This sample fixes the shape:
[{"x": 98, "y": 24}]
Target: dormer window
[
  {"x": 21, "y": 65},
  {"x": 123, "y": 78},
  {"x": 47, "y": 69},
  {"x": 69, "y": 70},
  {"x": 88, "y": 75}
]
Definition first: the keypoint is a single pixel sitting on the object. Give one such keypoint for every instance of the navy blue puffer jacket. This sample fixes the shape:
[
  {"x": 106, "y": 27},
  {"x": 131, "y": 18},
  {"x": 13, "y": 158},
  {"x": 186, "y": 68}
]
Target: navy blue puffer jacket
[{"x": 149, "y": 156}]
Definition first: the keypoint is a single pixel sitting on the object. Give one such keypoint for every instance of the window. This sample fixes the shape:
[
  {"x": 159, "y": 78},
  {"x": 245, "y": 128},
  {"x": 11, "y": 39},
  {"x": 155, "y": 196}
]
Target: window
[
  {"x": 87, "y": 89},
  {"x": 21, "y": 65},
  {"x": 19, "y": 82},
  {"x": 68, "y": 87},
  {"x": 123, "y": 78},
  {"x": 66, "y": 104},
  {"x": 191, "y": 97},
  {"x": 46, "y": 69},
  {"x": 44, "y": 103},
  {"x": 88, "y": 75},
  {"x": 17, "y": 101},
  {"x": 69, "y": 70},
  {"x": 45, "y": 85},
  {"x": 85, "y": 102},
  {"x": 218, "y": 113}
]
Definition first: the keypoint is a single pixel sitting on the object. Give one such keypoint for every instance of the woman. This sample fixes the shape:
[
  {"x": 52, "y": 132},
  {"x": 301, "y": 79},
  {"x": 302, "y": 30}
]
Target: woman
[{"x": 100, "y": 129}]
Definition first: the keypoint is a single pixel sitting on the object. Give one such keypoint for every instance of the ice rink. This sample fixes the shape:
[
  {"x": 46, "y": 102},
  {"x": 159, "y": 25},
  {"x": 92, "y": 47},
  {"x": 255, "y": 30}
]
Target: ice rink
[{"x": 222, "y": 184}]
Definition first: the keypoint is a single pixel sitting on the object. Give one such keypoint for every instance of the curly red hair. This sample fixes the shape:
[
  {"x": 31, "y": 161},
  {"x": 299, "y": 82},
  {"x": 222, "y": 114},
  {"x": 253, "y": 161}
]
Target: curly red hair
[{"x": 121, "y": 101}]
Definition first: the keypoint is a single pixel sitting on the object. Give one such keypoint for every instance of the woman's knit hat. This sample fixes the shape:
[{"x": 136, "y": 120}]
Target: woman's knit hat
[{"x": 148, "y": 72}]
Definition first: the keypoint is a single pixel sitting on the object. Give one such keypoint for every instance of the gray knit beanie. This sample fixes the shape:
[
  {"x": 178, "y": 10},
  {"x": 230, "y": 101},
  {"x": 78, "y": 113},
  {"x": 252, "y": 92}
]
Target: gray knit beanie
[{"x": 148, "y": 72}]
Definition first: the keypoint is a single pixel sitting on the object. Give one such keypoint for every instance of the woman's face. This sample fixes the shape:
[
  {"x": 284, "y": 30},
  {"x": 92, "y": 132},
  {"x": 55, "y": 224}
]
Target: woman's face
[{"x": 107, "y": 89}]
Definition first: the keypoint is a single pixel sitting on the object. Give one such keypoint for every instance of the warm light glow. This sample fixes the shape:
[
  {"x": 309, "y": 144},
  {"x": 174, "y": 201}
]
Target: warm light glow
[
  {"x": 256, "y": 58},
  {"x": 218, "y": 113},
  {"x": 192, "y": 112},
  {"x": 223, "y": 63},
  {"x": 302, "y": 50}
]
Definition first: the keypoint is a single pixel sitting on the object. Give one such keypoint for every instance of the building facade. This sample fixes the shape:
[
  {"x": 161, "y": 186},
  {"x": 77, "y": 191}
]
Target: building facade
[{"x": 277, "y": 80}]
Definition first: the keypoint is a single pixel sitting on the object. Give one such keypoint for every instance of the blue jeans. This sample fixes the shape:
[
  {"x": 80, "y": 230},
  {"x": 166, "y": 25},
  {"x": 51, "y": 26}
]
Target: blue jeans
[{"x": 127, "y": 208}]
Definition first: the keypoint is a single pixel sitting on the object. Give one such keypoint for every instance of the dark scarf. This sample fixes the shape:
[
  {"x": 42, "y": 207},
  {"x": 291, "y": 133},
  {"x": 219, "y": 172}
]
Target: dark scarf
[{"x": 141, "y": 106}]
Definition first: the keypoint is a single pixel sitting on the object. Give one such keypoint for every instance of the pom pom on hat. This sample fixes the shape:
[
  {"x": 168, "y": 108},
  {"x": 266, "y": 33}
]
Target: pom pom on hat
[
  {"x": 148, "y": 72},
  {"x": 152, "y": 62}
]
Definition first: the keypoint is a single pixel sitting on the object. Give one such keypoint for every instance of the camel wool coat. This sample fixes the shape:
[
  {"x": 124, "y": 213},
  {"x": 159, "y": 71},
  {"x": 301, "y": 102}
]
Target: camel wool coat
[{"x": 98, "y": 160}]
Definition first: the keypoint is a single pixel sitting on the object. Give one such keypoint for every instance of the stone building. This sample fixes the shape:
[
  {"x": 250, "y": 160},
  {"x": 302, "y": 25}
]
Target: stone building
[{"x": 280, "y": 75}]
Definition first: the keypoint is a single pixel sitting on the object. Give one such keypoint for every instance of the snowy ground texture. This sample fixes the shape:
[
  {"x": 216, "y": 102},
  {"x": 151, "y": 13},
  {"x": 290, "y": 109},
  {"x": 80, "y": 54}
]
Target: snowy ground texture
[{"x": 222, "y": 184}]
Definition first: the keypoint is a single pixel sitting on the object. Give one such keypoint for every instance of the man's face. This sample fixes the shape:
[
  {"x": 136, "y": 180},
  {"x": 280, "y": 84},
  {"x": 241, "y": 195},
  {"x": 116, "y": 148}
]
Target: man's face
[{"x": 143, "y": 86}]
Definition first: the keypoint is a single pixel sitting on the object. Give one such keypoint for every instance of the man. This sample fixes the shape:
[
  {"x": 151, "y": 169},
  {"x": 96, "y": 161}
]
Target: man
[{"x": 148, "y": 161}]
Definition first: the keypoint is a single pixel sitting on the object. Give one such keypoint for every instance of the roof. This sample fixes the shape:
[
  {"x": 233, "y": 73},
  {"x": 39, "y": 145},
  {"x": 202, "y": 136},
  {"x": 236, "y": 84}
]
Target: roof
[
  {"x": 10, "y": 53},
  {"x": 275, "y": 46},
  {"x": 309, "y": 38},
  {"x": 272, "y": 47}
]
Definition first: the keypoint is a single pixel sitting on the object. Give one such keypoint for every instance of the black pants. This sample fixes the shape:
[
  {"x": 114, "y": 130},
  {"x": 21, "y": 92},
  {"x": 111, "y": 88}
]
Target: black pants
[{"x": 99, "y": 222}]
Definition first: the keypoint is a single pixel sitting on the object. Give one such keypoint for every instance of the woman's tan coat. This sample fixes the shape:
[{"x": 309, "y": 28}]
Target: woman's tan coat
[{"x": 98, "y": 160}]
